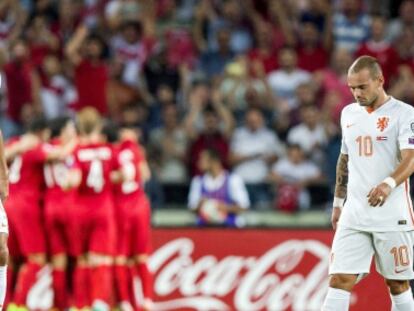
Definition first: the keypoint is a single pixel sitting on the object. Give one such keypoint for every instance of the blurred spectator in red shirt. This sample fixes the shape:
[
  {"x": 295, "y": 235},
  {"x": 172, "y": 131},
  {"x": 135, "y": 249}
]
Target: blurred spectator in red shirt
[
  {"x": 41, "y": 40},
  {"x": 265, "y": 51},
  {"x": 311, "y": 53},
  {"x": 272, "y": 31},
  {"x": 91, "y": 74},
  {"x": 176, "y": 34},
  {"x": 210, "y": 137},
  {"x": 22, "y": 87},
  {"x": 378, "y": 47}
]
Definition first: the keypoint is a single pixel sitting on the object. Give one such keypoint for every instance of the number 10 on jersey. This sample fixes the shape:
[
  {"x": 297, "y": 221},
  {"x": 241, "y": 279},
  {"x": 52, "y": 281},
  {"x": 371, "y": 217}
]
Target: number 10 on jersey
[{"x": 364, "y": 146}]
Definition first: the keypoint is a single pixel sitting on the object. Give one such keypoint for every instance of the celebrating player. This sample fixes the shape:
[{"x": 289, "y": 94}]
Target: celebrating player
[
  {"x": 94, "y": 230},
  {"x": 58, "y": 203},
  {"x": 27, "y": 156},
  {"x": 133, "y": 218},
  {"x": 372, "y": 210}
]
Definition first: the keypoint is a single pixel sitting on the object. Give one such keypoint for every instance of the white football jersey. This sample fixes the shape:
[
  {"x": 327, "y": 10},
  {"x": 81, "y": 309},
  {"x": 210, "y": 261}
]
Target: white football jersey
[{"x": 372, "y": 141}]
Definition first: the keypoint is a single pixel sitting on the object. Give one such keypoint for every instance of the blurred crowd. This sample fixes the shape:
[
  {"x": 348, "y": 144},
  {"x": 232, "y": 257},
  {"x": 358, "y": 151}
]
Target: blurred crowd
[{"x": 262, "y": 82}]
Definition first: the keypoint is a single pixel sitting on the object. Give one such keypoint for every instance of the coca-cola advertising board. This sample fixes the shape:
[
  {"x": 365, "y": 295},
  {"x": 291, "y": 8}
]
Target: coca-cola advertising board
[
  {"x": 243, "y": 270},
  {"x": 250, "y": 270}
]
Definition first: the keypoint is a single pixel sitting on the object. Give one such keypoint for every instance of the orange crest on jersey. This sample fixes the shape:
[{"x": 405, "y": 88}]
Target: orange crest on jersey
[{"x": 382, "y": 123}]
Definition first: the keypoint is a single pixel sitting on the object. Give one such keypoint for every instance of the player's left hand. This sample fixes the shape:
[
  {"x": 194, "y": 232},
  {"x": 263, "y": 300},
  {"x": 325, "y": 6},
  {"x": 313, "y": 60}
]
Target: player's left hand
[{"x": 379, "y": 194}]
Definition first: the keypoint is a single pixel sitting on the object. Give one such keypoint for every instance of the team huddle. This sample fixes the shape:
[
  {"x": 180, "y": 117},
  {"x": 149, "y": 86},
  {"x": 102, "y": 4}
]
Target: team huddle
[{"x": 76, "y": 192}]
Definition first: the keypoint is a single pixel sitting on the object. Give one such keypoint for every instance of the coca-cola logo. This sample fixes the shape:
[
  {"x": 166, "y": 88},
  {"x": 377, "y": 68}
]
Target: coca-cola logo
[
  {"x": 200, "y": 272},
  {"x": 277, "y": 280}
]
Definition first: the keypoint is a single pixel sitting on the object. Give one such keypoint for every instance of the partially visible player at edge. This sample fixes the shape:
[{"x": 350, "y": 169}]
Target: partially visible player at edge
[
  {"x": 375, "y": 163},
  {"x": 4, "y": 228}
]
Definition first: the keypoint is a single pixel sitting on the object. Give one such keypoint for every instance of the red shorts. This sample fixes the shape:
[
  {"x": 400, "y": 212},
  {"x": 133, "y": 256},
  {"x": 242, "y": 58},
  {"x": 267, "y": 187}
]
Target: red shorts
[
  {"x": 93, "y": 227},
  {"x": 58, "y": 226},
  {"x": 133, "y": 227},
  {"x": 27, "y": 235}
]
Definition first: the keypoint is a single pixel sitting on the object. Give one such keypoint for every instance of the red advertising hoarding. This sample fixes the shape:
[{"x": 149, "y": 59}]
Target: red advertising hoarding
[
  {"x": 244, "y": 270},
  {"x": 249, "y": 270}
]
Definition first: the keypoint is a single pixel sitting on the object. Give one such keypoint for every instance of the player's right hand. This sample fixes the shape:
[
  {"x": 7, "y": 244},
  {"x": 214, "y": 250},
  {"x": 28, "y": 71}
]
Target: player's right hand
[{"x": 336, "y": 213}]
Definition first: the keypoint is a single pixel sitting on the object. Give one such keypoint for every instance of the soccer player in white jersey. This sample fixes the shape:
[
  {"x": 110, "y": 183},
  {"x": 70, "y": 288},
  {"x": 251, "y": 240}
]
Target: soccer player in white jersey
[{"x": 372, "y": 210}]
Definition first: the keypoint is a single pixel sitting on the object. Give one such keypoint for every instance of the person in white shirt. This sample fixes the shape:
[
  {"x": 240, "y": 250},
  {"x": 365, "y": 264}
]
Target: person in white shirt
[
  {"x": 56, "y": 93},
  {"x": 132, "y": 48},
  {"x": 295, "y": 170},
  {"x": 288, "y": 77},
  {"x": 253, "y": 148},
  {"x": 226, "y": 189},
  {"x": 372, "y": 209},
  {"x": 310, "y": 134}
]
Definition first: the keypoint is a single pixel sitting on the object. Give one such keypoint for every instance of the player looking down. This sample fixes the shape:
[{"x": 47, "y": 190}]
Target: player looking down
[{"x": 372, "y": 210}]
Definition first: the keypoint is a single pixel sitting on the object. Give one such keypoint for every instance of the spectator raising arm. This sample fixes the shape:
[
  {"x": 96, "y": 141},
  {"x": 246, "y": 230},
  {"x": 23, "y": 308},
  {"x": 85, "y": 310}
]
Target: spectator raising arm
[
  {"x": 280, "y": 17},
  {"x": 224, "y": 113},
  {"x": 72, "y": 49}
]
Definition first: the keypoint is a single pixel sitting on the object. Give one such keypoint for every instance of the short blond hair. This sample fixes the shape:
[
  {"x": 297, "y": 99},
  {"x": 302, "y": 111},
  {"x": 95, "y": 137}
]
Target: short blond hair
[
  {"x": 88, "y": 120},
  {"x": 366, "y": 62}
]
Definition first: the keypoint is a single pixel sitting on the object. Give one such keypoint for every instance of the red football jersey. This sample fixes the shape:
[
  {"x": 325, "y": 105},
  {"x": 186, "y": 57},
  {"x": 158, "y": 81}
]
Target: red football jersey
[
  {"x": 55, "y": 174},
  {"x": 26, "y": 173},
  {"x": 96, "y": 162},
  {"x": 129, "y": 157}
]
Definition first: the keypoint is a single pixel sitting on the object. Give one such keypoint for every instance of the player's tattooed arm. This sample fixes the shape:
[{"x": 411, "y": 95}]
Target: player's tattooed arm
[{"x": 341, "y": 176}]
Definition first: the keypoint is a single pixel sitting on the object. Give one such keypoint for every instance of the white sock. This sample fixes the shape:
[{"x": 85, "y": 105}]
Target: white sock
[
  {"x": 336, "y": 300},
  {"x": 403, "y": 301},
  {"x": 3, "y": 284},
  {"x": 100, "y": 305}
]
